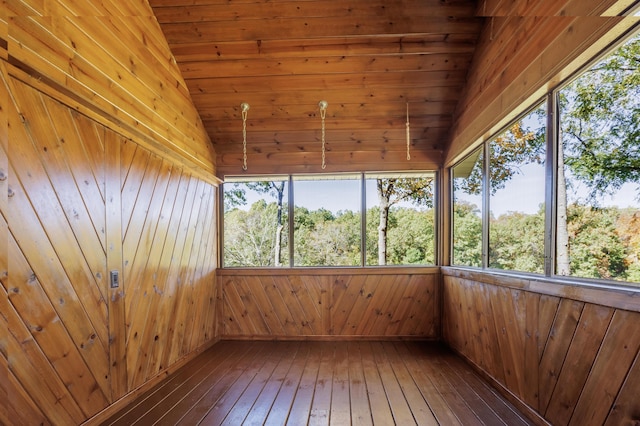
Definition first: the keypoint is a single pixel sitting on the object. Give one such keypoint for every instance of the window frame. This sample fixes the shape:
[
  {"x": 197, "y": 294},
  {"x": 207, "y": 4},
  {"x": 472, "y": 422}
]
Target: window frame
[
  {"x": 551, "y": 98},
  {"x": 362, "y": 177}
]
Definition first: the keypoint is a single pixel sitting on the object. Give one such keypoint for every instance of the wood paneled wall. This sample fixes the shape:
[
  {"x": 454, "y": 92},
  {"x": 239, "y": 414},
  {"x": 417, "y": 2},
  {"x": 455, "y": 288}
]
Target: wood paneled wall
[
  {"x": 525, "y": 49},
  {"x": 82, "y": 201},
  {"x": 111, "y": 55},
  {"x": 103, "y": 166},
  {"x": 571, "y": 354},
  {"x": 321, "y": 303}
]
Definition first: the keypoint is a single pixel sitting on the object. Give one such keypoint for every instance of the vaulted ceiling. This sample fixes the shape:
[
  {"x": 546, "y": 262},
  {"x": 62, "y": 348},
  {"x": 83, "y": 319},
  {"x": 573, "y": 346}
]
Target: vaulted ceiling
[{"x": 369, "y": 60}]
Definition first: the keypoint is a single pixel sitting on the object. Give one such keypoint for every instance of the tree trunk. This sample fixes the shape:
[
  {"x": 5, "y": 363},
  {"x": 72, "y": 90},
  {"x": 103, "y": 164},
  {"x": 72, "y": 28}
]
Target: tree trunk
[
  {"x": 278, "y": 246},
  {"x": 562, "y": 233},
  {"x": 383, "y": 199},
  {"x": 278, "y": 243}
]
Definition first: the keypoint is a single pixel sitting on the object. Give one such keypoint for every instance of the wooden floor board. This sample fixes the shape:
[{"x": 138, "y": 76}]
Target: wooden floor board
[
  {"x": 173, "y": 408},
  {"x": 506, "y": 412},
  {"x": 301, "y": 407},
  {"x": 431, "y": 359},
  {"x": 425, "y": 382},
  {"x": 160, "y": 395},
  {"x": 323, "y": 383},
  {"x": 380, "y": 408},
  {"x": 321, "y": 404},
  {"x": 360, "y": 405},
  {"x": 419, "y": 407},
  {"x": 399, "y": 406},
  {"x": 283, "y": 403}
]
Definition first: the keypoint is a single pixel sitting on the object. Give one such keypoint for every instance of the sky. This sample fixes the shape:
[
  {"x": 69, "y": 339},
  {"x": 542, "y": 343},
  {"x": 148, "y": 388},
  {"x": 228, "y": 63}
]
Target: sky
[{"x": 523, "y": 193}]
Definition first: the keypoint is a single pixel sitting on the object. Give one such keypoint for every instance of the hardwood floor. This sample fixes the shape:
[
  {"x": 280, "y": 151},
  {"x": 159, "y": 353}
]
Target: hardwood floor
[{"x": 321, "y": 383}]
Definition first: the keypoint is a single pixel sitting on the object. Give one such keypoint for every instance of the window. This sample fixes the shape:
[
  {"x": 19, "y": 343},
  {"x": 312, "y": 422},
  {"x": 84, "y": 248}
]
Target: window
[
  {"x": 334, "y": 219},
  {"x": 256, "y": 230},
  {"x": 467, "y": 210},
  {"x": 400, "y": 219},
  {"x": 327, "y": 220},
  {"x": 587, "y": 186},
  {"x": 517, "y": 195},
  {"x": 598, "y": 208}
]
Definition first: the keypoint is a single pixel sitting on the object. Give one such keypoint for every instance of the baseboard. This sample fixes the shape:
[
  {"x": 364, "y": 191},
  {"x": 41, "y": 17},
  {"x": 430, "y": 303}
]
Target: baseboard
[
  {"x": 329, "y": 338},
  {"x": 118, "y": 405},
  {"x": 523, "y": 407}
]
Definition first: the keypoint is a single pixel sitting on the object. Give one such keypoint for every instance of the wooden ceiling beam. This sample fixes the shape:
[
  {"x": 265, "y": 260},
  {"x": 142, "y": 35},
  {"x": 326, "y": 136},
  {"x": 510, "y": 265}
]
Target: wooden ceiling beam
[
  {"x": 306, "y": 145},
  {"x": 232, "y": 169}
]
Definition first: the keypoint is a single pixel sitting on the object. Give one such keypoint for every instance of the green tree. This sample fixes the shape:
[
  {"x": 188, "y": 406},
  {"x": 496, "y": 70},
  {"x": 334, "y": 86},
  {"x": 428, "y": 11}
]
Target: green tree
[
  {"x": 596, "y": 250},
  {"x": 601, "y": 121},
  {"x": 516, "y": 146},
  {"x": 392, "y": 192},
  {"x": 276, "y": 190},
  {"x": 509, "y": 151},
  {"x": 326, "y": 239},
  {"x": 235, "y": 196},
  {"x": 411, "y": 239},
  {"x": 517, "y": 243},
  {"x": 600, "y": 133},
  {"x": 248, "y": 235},
  {"x": 628, "y": 226},
  {"x": 467, "y": 234}
]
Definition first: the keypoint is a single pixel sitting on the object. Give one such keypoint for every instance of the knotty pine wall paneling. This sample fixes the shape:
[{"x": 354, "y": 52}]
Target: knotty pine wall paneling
[
  {"x": 103, "y": 166},
  {"x": 113, "y": 58},
  {"x": 320, "y": 303},
  {"x": 571, "y": 355},
  {"x": 91, "y": 344}
]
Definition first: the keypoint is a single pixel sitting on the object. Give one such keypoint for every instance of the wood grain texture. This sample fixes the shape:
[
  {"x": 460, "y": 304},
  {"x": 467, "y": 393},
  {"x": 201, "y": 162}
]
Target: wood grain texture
[
  {"x": 367, "y": 59},
  {"x": 115, "y": 60},
  {"x": 323, "y": 383},
  {"x": 569, "y": 361},
  {"x": 526, "y": 48},
  {"x": 84, "y": 201},
  {"x": 285, "y": 305}
]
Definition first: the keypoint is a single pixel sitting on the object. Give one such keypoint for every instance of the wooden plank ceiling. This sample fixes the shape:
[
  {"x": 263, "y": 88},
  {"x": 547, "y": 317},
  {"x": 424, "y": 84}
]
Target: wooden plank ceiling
[{"x": 367, "y": 58}]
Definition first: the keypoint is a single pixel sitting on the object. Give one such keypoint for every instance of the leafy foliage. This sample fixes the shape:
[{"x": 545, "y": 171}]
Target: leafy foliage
[
  {"x": 411, "y": 238},
  {"x": 596, "y": 249},
  {"x": 601, "y": 122},
  {"x": 467, "y": 235},
  {"x": 517, "y": 242},
  {"x": 391, "y": 192},
  {"x": 516, "y": 146},
  {"x": 249, "y": 235},
  {"x": 419, "y": 192},
  {"x": 325, "y": 239}
]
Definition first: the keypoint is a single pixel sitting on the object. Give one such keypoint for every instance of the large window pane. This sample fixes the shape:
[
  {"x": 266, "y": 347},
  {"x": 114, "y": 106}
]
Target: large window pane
[
  {"x": 598, "y": 217},
  {"x": 517, "y": 176},
  {"x": 400, "y": 219},
  {"x": 327, "y": 220},
  {"x": 467, "y": 210},
  {"x": 256, "y": 231}
]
